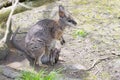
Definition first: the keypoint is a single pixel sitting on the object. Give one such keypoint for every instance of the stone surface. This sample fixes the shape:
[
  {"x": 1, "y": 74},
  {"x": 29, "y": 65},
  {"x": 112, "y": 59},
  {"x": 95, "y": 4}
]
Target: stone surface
[
  {"x": 3, "y": 54},
  {"x": 9, "y": 72},
  {"x": 74, "y": 67}
]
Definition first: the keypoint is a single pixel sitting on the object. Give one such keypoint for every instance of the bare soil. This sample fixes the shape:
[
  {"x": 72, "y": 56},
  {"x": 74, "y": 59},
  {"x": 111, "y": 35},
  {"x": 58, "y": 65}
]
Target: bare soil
[{"x": 100, "y": 19}]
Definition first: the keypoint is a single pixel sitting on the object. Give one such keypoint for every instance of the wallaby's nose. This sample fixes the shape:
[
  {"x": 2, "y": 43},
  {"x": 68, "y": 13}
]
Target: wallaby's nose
[{"x": 74, "y": 22}]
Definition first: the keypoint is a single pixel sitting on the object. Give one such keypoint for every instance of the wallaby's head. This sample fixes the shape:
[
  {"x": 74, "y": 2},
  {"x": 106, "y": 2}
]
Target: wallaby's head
[{"x": 65, "y": 17}]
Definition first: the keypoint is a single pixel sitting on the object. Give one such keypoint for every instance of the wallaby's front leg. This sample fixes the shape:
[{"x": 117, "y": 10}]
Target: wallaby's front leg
[{"x": 55, "y": 50}]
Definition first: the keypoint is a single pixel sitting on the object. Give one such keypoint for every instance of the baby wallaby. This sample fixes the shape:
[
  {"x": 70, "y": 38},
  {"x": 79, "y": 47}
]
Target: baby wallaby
[{"x": 42, "y": 38}]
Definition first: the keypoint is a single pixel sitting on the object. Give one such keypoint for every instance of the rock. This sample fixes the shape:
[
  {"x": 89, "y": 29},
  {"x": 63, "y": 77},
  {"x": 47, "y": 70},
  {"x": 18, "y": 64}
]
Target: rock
[
  {"x": 3, "y": 54},
  {"x": 66, "y": 78},
  {"x": 9, "y": 72},
  {"x": 74, "y": 67},
  {"x": 2, "y": 77}
]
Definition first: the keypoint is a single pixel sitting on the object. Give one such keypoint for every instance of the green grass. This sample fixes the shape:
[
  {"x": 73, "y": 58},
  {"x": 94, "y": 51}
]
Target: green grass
[
  {"x": 41, "y": 75},
  {"x": 79, "y": 33}
]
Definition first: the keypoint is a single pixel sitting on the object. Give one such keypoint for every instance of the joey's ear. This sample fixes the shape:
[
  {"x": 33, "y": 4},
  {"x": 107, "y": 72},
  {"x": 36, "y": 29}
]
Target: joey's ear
[{"x": 61, "y": 11}]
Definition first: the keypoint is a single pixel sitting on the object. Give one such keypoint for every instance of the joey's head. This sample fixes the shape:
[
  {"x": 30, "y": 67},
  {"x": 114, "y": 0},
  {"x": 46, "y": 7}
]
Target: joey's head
[{"x": 65, "y": 17}]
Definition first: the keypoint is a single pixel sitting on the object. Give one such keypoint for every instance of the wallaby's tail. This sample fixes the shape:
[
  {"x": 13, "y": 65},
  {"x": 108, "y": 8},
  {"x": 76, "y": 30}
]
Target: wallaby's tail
[
  {"x": 14, "y": 43},
  {"x": 17, "y": 46}
]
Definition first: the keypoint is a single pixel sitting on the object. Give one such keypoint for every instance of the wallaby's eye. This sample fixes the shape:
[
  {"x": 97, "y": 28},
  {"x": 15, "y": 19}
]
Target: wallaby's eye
[
  {"x": 72, "y": 21},
  {"x": 69, "y": 20}
]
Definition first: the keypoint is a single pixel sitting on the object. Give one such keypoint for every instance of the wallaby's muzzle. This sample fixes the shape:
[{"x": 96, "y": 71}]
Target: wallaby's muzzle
[{"x": 71, "y": 22}]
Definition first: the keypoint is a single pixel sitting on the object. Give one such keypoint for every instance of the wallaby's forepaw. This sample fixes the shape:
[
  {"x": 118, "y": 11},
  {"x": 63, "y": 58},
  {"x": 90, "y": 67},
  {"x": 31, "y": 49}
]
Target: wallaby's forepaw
[{"x": 62, "y": 42}]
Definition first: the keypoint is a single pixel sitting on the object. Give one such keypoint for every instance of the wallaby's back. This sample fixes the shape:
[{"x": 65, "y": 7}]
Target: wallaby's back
[{"x": 41, "y": 29}]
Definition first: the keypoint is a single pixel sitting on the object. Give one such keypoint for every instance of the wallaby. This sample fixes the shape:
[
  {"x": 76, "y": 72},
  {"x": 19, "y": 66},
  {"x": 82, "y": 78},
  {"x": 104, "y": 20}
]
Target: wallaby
[{"x": 42, "y": 40}]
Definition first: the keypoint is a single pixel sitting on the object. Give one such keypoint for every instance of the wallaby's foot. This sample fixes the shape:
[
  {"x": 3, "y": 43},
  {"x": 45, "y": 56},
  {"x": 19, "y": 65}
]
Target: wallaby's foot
[
  {"x": 54, "y": 56},
  {"x": 41, "y": 64},
  {"x": 44, "y": 65}
]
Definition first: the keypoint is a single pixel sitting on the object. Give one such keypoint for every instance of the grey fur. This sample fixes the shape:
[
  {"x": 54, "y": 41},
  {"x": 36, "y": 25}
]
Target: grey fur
[{"x": 42, "y": 37}]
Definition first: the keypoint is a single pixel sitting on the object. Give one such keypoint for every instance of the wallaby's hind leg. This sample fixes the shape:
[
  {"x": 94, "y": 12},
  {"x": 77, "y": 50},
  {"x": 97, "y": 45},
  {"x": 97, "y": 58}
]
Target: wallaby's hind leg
[
  {"x": 31, "y": 60},
  {"x": 44, "y": 58}
]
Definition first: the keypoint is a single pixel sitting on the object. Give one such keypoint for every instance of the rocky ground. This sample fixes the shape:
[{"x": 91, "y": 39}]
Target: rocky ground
[{"x": 98, "y": 21}]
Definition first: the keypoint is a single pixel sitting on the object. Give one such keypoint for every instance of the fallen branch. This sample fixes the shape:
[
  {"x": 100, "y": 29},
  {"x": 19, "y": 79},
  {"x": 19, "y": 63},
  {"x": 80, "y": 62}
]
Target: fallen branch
[
  {"x": 6, "y": 3},
  {"x": 8, "y": 24},
  {"x": 98, "y": 61}
]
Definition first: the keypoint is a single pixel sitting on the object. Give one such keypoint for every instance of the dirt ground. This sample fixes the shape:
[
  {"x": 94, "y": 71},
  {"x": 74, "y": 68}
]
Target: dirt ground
[{"x": 99, "y": 19}]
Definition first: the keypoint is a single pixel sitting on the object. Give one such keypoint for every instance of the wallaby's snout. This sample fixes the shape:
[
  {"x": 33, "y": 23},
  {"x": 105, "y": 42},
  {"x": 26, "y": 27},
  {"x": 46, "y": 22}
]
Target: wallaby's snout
[{"x": 66, "y": 17}]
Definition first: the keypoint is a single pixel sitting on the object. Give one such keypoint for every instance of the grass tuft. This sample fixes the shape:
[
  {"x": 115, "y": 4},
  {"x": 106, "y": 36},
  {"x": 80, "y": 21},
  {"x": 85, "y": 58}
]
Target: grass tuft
[
  {"x": 79, "y": 33},
  {"x": 41, "y": 75}
]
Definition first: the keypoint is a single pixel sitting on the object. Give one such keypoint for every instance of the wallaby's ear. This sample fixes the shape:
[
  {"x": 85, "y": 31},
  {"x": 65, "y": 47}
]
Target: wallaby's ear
[{"x": 61, "y": 11}]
